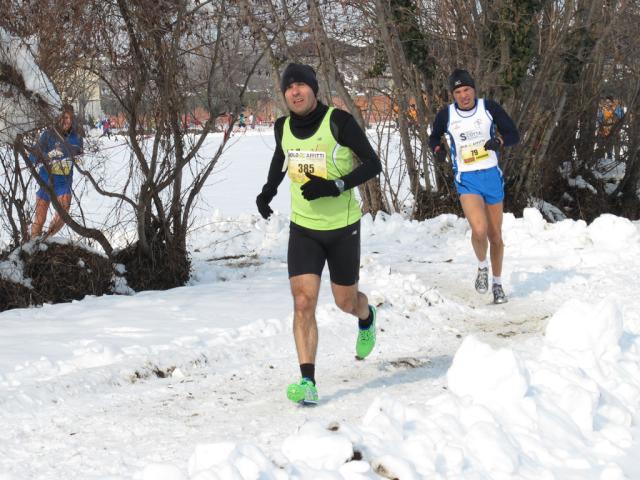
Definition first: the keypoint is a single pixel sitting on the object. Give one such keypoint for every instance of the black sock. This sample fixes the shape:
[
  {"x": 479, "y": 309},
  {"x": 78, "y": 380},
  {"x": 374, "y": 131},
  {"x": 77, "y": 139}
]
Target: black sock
[
  {"x": 308, "y": 370},
  {"x": 366, "y": 323}
]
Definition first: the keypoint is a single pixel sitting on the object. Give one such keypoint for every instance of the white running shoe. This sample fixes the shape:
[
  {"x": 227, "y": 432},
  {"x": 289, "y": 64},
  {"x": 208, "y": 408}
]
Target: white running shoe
[
  {"x": 482, "y": 280},
  {"x": 498, "y": 294}
]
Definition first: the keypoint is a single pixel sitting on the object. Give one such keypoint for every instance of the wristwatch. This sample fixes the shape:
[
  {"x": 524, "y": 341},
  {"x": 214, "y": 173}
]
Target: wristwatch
[{"x": 340, "y": 184}]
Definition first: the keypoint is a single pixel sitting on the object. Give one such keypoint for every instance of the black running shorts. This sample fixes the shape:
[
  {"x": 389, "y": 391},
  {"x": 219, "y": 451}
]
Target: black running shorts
[{"x": 340, "y": 248}]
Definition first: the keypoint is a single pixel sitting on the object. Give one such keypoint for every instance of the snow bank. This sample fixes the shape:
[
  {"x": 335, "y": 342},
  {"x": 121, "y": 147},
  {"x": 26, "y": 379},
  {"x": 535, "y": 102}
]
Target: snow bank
[
  {"x": 554, "y": 416},
  {"x": 565, "y": 412},
  {"x": 12, "y": 269},
  {"x": 559, "y": 406},
  {"x": 487, "y": 376},
  {"x": 613, "y": 232}
]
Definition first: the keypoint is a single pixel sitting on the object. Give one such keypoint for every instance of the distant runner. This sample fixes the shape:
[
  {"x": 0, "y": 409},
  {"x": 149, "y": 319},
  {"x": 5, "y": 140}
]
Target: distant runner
[
  {"x": 56, "y": 151},
  {"x": 315, "y": 144},
  {"x": 609, "y": 115},
  {"x": 476, "y": 129}
]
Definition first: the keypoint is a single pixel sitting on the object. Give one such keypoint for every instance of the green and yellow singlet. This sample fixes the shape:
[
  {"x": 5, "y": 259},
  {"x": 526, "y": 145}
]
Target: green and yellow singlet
[{"x": 323, "y": 156}]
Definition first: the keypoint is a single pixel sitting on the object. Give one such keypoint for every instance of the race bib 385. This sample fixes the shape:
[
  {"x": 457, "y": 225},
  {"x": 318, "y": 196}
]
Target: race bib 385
[{"x": 301, "y": 162}]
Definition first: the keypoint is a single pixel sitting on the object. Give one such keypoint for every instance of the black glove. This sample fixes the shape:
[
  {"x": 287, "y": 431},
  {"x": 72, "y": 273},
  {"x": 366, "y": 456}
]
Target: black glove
[
  {"x": 318, "y": 187},
  {"x": 440, "y": 153},
  {"x": 262, "y": 201},
  {"x": 493, "y": 144}
]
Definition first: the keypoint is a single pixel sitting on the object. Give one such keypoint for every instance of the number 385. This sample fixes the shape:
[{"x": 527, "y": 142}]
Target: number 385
[{"x": 305, "y": 168}]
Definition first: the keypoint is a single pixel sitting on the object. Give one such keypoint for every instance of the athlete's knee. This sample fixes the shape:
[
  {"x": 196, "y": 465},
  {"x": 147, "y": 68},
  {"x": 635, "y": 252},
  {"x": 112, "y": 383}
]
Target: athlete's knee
[
  {"x": 348, "y": 304},
  {"x": 479, "y": 232},
  {"x": 495, "y": 238},
  {"x": 36, "y": 229},
  {"x": 38, "y": 222},
  {"x": 303, "y": 303}
]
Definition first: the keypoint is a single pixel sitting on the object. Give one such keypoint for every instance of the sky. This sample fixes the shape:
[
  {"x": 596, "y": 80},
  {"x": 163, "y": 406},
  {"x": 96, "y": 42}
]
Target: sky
[{"x": 190, "y": 383}]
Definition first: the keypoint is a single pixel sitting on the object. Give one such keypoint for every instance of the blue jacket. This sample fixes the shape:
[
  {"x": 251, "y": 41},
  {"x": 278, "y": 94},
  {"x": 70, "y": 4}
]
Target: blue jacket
[
  {"x": 609, "y": 116},
  {"x": 69, "y": 146}
]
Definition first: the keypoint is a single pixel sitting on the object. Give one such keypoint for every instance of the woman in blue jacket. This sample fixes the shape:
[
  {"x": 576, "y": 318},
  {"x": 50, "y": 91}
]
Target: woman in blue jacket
[{"x": 56, "y": 152}]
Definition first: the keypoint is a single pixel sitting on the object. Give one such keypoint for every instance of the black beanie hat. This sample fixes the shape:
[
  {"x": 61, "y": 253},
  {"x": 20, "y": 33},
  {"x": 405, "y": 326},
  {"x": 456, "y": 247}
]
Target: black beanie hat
[
  {"x": 296, "y": 72},
  {"x": 461, "y": 78}
]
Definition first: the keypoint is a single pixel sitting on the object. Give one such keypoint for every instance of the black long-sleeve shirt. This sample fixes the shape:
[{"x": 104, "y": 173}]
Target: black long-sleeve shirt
[
  {"x": 502, "y": 120},
  {"x": 347, "y": 133}
]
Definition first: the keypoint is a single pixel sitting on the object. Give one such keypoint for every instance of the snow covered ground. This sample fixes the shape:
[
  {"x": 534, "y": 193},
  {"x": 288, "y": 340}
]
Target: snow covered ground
[{"x": 190, "y": 383}]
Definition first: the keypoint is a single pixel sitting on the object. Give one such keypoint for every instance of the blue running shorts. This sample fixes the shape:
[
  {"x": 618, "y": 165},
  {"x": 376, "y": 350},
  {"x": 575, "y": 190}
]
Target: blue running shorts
[
  {"x": 487, "y": 183},
  {"x": 61, "y": 185}
]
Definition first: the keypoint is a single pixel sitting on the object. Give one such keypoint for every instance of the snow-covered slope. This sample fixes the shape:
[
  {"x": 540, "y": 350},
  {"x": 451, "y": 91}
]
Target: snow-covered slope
[{"x": 190, "y": 383}]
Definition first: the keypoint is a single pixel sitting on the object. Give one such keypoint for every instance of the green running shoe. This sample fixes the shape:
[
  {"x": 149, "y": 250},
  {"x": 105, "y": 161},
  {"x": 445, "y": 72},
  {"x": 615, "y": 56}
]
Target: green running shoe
[
  {"x": 304, "y": 393},
  {"x": 367, "y": 338}
]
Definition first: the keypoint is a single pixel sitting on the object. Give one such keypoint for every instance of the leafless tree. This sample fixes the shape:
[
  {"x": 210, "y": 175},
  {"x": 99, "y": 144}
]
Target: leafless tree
[
  {"x": 157, "y": 60},
  {"x": 549, "y": 63}
]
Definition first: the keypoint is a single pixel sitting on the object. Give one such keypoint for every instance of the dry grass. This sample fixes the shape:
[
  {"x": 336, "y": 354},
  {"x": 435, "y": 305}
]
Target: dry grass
[{"x": 58, "y": 273}]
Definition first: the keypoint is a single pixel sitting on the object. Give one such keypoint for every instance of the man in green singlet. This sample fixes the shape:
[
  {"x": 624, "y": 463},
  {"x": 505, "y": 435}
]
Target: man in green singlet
[{"x": 316, "y": 145}]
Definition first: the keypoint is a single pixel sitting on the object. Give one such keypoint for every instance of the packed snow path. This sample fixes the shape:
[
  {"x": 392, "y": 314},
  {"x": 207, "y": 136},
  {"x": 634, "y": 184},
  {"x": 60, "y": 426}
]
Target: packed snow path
[{"x": 130, "y": 386}]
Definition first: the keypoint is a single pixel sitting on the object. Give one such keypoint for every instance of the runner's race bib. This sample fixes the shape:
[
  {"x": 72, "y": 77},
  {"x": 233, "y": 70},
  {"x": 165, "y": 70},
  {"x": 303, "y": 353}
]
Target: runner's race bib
[
  {"x": 473, "y": 154},
  {"x": 301, "y": 162},
  {"x": 61, "y": 167},
  {"x": 58, "y": 164}
]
